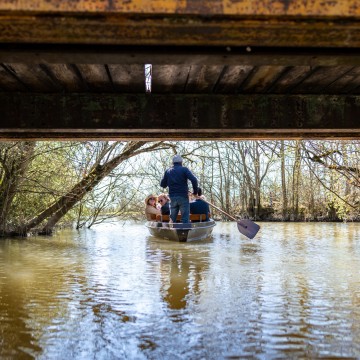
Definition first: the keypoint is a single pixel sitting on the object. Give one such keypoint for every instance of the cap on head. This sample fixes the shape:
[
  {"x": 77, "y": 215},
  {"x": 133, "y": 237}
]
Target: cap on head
[{"x": 177, "y": 159}]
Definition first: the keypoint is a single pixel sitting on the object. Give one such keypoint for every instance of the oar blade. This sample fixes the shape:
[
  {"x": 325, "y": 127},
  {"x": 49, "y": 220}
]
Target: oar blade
[{"x": 248, "y": 228}]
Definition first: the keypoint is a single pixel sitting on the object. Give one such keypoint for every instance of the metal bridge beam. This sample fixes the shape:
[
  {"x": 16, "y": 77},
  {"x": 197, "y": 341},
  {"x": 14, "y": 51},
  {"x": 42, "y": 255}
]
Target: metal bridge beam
[
  {"x": 269, "y": 23},
  {"x": 173, "y": 117}
]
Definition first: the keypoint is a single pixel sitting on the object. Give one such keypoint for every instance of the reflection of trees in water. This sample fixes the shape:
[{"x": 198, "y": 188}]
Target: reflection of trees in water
[
  {"x": 179, "y": 286},
  {"x": 33, "y": 295},
  {"x": 16, "y": 337},
  {"x": 102, "y": 311},
  {"x": 181, "y": 274}
]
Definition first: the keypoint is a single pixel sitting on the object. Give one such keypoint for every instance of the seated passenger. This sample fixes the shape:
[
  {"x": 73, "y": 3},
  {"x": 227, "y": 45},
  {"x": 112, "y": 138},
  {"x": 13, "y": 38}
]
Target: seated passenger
[
  {"x": 151, "y": 208},
  {"x": 165, "y": 204},
  {"x": 199, "y": 206}
]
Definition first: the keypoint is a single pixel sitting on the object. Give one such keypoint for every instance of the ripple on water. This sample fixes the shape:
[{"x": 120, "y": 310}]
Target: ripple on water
[{"x": 292, "y": 292}]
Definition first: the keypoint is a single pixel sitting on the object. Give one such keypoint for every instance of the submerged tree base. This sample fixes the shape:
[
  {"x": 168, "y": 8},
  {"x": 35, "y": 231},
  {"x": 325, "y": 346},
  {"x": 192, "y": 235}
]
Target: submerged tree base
[
  {"x": 14, "y": 234},
  {"x": 24, "y": 234}
]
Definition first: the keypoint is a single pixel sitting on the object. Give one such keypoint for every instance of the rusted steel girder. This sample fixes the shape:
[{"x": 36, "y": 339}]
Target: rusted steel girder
[
  {"x": 201, "y": 7},
  {"x": 280, "y": 23},
  {"x": 152, "y": 117}
]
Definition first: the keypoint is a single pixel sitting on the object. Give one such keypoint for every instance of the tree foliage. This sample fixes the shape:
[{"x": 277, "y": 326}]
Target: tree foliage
[
  {"x": 54, "y": 175},
  {"x": 45, "y": 183}
]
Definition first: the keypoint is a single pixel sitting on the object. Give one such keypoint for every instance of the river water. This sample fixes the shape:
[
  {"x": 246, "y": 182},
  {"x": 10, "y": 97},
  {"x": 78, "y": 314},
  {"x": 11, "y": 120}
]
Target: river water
[{"x": 115, "y": 292}]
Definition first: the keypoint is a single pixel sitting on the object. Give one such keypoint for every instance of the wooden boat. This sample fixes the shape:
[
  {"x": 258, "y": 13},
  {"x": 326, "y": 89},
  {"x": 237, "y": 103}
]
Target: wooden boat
[{"x": 197, "y": 229}]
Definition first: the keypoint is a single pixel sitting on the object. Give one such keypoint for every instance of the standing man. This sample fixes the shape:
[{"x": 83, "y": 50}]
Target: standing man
[{"x": 176, "y": 178}]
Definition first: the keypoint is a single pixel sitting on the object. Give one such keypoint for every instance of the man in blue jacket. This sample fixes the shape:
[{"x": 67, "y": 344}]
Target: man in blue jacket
[{"x": 176, "y": 178}]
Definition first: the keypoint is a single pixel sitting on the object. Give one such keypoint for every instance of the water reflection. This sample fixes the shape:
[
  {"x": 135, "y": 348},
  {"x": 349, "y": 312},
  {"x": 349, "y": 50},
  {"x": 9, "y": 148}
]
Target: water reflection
[
  {"x": 16, "y": 337},
  {"x": 181, "y": 268},
  {"x": 116, "y": 292},
  {"x": 179, "y": 282},
  {"x": 30, "y": 286}
]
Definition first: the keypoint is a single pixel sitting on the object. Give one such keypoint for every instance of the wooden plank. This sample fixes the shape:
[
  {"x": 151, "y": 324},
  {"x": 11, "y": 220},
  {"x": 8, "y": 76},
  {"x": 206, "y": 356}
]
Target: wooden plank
[
  {"x": 33, "y": 77},
  {"x": 166, "y": 218},
  {"x": 261, "y": 79},
  {"x": 128, "y": 78},
  {"x": 9, "y": 82},
  {"x": 347, "y": 83},
  {"x": 320, "y": 79},
  {"x": 204, "y": 116},
  {"x": 231, "y": 79},
  {"x": 67, "y": 76},
  {"x": 96, "y": 77},
  {"x": 169, "y": 78},
  {"x": 291, "y": 78},
  {"x": 175, "y": 79},
  {"x": 202, "y": 78}
]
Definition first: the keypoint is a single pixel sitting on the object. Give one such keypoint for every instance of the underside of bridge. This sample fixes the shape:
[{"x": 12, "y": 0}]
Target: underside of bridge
[{"x": 220, "y": 69}]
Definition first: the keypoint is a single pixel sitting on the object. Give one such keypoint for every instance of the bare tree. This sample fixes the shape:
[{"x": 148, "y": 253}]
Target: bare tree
[
  {"x": 14, "y": 160},
  {"x": 284, "y": 191}
]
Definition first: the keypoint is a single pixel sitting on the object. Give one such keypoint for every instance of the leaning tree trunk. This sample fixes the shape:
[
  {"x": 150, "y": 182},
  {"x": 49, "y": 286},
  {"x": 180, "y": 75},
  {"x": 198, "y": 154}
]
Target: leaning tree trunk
[{"x": 66, "y": 202}]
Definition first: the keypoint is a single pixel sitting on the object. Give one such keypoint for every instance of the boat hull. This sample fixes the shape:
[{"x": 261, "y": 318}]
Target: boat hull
[{"x": 181, "y": 232}]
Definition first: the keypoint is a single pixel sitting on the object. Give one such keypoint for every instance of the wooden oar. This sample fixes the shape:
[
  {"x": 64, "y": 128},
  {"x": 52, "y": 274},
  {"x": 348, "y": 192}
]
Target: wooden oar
[{"x": 245, "y": 226}]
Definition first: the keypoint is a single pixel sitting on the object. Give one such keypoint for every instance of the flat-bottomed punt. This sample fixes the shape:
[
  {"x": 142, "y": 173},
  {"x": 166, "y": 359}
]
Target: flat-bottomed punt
[{"x": 196, "y": 230}]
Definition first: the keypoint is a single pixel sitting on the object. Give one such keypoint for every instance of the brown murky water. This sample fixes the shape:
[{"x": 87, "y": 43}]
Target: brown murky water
[{"x": 115, "y": 292}]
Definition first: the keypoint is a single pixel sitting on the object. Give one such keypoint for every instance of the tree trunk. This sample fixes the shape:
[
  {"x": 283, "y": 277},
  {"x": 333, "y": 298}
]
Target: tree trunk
[
  {"x": 296, "y": 182},
  {"x": 66, "y": 202},
  {"x": 312, "y": 197},
  {"x": 14, "y": 166},
  {"x": 283, "y": 183}
]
